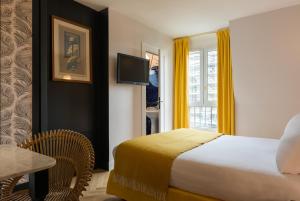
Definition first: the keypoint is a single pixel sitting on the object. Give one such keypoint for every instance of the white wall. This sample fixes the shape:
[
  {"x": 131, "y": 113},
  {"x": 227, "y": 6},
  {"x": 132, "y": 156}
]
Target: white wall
[
  {"x": 266, "y": 71},
  {"x": 126, "y": 36}
]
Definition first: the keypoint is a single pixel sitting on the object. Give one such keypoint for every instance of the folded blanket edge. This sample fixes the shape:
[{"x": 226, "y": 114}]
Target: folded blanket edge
[{"x": 139, "y": 187}]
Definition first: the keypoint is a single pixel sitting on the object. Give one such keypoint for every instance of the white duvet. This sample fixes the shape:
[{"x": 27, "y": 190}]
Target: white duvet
[{"x": 235, "y": 169}]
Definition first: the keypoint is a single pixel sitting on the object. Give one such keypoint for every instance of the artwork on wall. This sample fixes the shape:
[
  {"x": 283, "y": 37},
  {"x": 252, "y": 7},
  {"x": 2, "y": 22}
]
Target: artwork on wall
[{"x": 71, "y": 51}]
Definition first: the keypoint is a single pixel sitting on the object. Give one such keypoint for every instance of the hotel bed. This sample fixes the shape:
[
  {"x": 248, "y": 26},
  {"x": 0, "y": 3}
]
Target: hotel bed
[
  {"x": 228, "y": 168},
  {"x": 235, "y": 169}
]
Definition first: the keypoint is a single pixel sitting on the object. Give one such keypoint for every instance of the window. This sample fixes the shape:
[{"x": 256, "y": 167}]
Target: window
[{"x": 203, "y": 89}]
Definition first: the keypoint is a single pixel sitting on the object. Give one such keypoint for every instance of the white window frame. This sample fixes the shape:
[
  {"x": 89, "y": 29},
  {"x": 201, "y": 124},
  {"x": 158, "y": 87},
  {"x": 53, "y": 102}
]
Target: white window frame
[
  {"x": 207, "y": 103},
  {"x": 204, "y": 81},
  {"x": 200, "y": 104},
  {"x": 204, "y": 78}
]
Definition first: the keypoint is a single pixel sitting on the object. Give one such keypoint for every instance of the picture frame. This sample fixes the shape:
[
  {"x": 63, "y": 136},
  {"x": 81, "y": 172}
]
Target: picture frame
[{"x": 71, "y": 51}]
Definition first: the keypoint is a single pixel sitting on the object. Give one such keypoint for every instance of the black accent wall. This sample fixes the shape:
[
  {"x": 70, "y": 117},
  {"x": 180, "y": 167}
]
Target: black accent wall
[{"x": 64, "y": 105}]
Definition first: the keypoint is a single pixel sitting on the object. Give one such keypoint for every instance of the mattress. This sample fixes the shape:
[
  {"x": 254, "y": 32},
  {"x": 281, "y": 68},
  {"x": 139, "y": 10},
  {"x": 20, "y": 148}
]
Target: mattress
[{"x": 235, "y": 169}]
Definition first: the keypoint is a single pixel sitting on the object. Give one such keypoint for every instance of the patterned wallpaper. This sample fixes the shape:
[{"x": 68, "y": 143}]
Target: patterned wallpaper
[{"x": 16, "y": 66}]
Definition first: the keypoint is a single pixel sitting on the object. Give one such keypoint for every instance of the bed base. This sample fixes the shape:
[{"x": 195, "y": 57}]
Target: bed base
[{"x": 174, "y": 194}]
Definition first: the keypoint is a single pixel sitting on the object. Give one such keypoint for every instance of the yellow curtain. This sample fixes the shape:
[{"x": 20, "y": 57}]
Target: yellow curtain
[
  {"x": 226, "y": 108},
  {"x": 181, "y": 110}
]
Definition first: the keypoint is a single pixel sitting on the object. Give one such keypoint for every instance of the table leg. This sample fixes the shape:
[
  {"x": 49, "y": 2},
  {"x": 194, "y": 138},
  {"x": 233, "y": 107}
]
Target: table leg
[{"x": 39, "y": 186}]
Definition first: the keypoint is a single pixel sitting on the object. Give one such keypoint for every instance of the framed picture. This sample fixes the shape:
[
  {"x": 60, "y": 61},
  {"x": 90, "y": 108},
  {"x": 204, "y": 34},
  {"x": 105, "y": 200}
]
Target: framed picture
[{"x": 71, "y": 51}]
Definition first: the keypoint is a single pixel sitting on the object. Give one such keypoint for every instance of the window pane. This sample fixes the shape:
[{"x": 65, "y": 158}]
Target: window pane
[
  {"x": 212, "y": 78},
  {"x": 203, "y": 116},
  {"x": 194, "y": 77}
]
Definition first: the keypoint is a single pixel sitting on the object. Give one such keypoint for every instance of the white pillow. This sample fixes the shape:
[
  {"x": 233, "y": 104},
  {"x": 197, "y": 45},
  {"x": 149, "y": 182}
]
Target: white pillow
[{"x": 288, "y": 153}]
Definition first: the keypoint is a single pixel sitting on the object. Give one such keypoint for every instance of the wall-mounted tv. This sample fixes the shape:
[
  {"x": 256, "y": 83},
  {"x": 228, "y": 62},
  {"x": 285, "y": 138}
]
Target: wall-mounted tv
[{"x": 132, "y": 70}]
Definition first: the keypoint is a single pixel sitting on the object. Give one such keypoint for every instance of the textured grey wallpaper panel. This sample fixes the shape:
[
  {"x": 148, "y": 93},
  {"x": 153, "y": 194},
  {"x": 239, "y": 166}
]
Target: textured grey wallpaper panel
[{"x": 16, "y": 68}]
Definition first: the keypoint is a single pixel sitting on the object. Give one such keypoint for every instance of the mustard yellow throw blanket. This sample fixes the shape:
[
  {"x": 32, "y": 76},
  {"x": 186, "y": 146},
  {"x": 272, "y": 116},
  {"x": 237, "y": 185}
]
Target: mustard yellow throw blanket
[{"x": 143, "y": 165}]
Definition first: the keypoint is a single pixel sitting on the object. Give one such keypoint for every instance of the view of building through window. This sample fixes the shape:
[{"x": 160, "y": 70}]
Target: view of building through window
[{"x": 203, "y": 89}]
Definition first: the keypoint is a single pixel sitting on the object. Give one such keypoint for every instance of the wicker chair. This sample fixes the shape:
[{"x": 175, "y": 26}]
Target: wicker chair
[{"x": 74, "y": 155}]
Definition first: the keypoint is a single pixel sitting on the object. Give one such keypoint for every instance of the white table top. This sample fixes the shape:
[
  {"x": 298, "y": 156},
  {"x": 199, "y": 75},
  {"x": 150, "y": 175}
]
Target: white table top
[{"x": 15, "y": 161}]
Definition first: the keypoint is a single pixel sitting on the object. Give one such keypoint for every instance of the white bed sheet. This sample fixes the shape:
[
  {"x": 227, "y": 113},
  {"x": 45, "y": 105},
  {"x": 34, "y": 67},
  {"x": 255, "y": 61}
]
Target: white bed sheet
[{"x": 235, "y": 169}]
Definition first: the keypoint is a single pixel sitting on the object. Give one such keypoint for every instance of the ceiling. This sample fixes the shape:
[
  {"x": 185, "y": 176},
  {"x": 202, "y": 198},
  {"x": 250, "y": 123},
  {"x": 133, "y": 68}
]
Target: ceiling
[{"x": 188, "y": 17}]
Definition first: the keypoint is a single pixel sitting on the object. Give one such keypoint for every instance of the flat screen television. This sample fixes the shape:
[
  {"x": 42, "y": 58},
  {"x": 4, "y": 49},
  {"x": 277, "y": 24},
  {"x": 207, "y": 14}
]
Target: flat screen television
[{"x": 132, "y": 70}]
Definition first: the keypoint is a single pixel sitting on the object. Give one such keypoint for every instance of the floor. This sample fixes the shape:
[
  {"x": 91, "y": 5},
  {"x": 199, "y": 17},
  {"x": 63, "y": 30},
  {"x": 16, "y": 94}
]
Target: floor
[{"x": 96, "y": 191}]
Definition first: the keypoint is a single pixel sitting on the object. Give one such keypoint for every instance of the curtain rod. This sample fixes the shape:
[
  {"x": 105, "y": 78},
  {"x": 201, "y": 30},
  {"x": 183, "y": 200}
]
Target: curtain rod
[
  {"x": 196, "y": 35},
  {"x": 207, "y": 33},
  {"x": 202, "y": 34}
]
